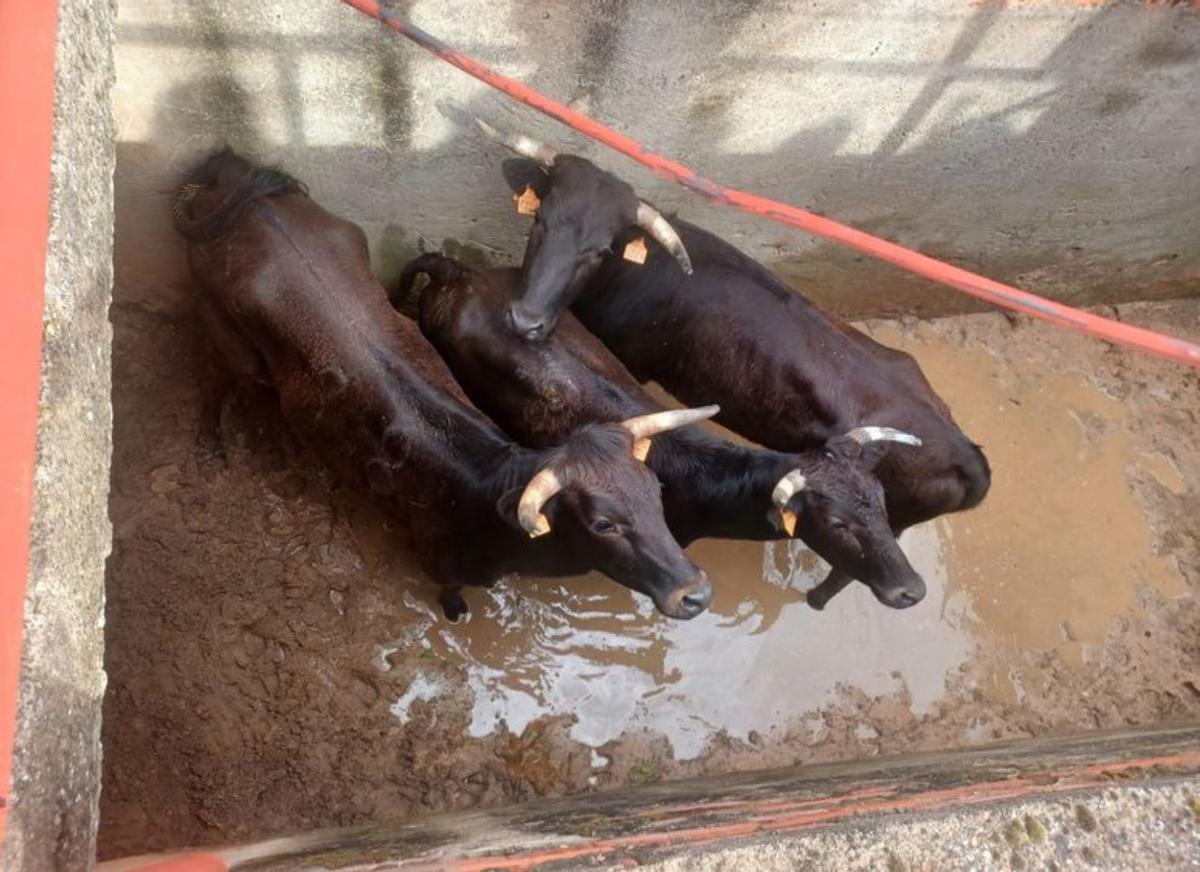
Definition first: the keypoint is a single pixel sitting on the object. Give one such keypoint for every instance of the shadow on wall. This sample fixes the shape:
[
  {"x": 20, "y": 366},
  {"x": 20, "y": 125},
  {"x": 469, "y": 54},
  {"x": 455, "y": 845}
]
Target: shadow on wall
[{"x": 1083, "y": 189}]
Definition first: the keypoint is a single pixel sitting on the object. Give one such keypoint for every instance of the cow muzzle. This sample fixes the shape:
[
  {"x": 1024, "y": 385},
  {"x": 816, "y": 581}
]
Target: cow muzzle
[
  {"x": 901, "y": 596},
  {"x": 685, "y": 602},
  {"x": 529, "y": 327}
]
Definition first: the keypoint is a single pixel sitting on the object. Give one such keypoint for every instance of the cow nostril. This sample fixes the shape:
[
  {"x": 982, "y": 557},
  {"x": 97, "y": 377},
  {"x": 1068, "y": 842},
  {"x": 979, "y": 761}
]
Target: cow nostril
[
  {"x": 695, "y": 602},
  {"x": 525, "y": 326},
  {"x": 901, "y": 598}
]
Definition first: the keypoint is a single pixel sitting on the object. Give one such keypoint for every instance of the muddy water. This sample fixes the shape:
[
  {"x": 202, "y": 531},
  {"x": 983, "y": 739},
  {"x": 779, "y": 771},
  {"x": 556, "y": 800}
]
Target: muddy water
[
  {"x": 1059, "y": 550},
  {"x": 759, "y": 659},
  {"x": 1062, "y": 545}
]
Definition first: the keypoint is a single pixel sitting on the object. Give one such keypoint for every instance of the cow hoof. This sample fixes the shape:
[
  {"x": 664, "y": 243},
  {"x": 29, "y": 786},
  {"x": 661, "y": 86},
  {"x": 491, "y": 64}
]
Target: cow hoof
[
  {"x": 453, "y": 605},
  {"x": 816, "y": 601},
  {"x": 211, "y": 458}
]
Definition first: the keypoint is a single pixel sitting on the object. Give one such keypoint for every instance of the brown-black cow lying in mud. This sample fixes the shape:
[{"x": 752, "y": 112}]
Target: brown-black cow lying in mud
[
  {"x": 714, "y": 322},
  {"x": 289, "y": 294},
  {"x": 540, "y": 392}
]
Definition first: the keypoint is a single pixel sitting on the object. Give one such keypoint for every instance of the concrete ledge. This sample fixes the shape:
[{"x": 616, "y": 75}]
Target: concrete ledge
[
  {"x": 1137, "y": 790},
  {"x": 56, "y": 765}
]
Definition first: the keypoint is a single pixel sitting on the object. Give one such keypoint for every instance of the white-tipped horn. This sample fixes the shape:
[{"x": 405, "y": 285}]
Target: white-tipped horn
[
  {"x": 863, "y": 435},
  {"x": 646, "y": 426},
  {"x": 650, "y": 220},
  {"x": 526, "y": 146},
  {"x": 788, "y": 486},
  {"x": 541, "y": 488}
]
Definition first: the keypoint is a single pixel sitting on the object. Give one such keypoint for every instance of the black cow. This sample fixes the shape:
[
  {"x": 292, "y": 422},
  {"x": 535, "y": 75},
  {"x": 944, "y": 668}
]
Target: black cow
[
  {"x": 716, "y": 323},
  {"x": 288, "y": 295},
  {"x": 540, "y": 392}
]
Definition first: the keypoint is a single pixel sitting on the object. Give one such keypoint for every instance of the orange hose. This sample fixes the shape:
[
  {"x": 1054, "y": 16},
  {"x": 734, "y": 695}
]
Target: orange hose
[{"x": 963, "y": 280}]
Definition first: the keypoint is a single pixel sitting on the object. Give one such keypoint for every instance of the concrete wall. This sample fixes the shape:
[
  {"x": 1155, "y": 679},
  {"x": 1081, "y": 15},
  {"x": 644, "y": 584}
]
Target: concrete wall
[
  {"x": 1051, "y": 143},
  {"x": 56, "y": 765}
]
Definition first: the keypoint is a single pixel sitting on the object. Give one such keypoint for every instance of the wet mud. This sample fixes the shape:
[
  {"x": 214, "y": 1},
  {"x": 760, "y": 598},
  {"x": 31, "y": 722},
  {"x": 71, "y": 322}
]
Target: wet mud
[{"x": 276, "y": 664}]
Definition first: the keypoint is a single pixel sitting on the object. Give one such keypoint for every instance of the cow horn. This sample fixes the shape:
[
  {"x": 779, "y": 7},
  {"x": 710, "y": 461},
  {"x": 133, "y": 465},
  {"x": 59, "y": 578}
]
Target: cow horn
[
  {"x": 788, "y": 486},
  {"x": 645, "y": 426},
  {"x": 523, "y": 145},
  {"x": 652, "y": 221},
  {"x": 529, "y": 510},
  {"x": 863, "y": 435}
]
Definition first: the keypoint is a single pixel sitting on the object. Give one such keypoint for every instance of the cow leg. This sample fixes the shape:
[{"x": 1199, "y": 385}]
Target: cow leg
[
  {"x": 239, "y": 362},
  {"x": 835, "y": 582},
  {"x": 453, "y": 604},
  {"x": 210, "y": 448}
]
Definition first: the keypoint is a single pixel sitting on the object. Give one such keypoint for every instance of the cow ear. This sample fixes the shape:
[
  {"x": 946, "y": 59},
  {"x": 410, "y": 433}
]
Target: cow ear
[
  {"x": 867, "y": 456},
  {"x": 522, "y": 173},
  {"x": 844, "y": 446},
  {"x": 871, "y": 453},
  {"x": 506, "y": 506}
]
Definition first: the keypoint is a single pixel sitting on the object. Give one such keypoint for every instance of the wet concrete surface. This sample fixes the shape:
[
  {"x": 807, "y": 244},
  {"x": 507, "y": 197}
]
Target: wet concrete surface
[{"x": 275, "y": 665}]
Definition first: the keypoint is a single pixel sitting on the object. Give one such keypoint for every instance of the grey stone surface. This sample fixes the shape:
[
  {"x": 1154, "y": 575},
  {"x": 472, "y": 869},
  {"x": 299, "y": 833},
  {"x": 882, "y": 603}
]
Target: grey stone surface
[
  {"x": 56, "y": 766},
  {"x": 1051, "y": 143},
  {"x": 1150, "y": 828}
]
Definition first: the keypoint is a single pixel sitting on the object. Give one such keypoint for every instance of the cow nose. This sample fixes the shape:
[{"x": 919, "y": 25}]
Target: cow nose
[
  {"x": 694, "y": 598},
  {"x": 525, "y": 325},
  {"x": 694, "y": 603},
  {"x": 902, "y": 597}
]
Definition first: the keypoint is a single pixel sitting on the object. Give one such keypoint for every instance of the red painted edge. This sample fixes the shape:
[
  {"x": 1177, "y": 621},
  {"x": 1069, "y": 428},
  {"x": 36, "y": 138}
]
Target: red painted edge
[
  {"x": 27, "y": 42},
  {"x": 980, "y": 287}
]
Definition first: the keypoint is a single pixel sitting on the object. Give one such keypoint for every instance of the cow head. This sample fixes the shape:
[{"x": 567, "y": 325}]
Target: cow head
[
  {"x": 596, "y": 494},
  {"x": 580, "y": 210},
  {"x": 837, "y": 507}
]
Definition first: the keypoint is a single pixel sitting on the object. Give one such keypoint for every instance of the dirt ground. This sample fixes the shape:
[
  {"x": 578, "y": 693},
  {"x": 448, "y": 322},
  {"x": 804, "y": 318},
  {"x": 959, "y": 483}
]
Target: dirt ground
[{"x": 276, "y": 665}]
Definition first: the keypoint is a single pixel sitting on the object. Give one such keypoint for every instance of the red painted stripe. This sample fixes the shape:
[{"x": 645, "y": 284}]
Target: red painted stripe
[
  {"x": 962, "y": 280},
  {"x": 27, "y": 33}
]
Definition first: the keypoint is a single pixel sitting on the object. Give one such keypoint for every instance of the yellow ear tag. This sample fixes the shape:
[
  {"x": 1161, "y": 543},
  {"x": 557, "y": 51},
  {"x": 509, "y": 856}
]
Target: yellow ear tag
[
  {"x": 641, "y": 449},
  {"x": 541, "y": 528},
  {"x": 788, "y": 520},
  {"x": 636, "y": 251},
  {"x": 528, "y": 202}
]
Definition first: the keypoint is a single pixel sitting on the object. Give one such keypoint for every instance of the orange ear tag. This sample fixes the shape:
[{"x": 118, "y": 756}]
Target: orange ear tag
[
  {"x": 528, "y": 202},
  {"x": 788, "y": 520},
  {"x": 635, "y": 251}
]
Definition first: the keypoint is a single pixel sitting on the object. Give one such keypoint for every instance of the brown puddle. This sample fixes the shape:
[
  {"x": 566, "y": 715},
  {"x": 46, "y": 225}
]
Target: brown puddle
[
  {"x": 1057, "y": 552},
  {"x": 1062, "y": 545},
  {"x": 758, "y": 660}
]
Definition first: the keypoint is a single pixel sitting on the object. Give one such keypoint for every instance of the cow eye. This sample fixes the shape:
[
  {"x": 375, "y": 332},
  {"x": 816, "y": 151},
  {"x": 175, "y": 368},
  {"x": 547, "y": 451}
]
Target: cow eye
[
  {"x": 837, "y": 524},
  {"x": 603, "y": 527}
]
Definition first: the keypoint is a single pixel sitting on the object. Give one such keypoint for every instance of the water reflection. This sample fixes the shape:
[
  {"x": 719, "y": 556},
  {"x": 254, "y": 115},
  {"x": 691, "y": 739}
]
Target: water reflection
[{"x": 759, "y": 660}]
